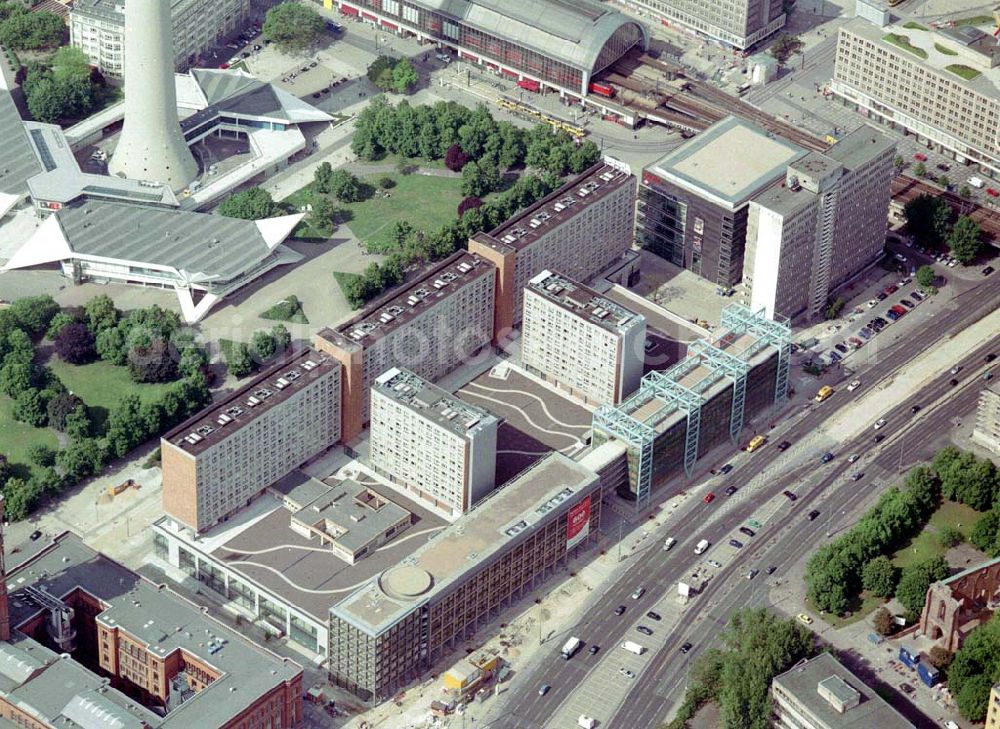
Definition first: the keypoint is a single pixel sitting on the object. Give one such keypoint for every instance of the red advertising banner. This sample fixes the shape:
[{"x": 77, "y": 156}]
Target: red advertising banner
[{"x": 578, "y": 523}]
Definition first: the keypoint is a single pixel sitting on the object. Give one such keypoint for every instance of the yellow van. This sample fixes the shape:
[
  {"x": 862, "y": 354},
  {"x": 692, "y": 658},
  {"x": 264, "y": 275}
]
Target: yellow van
[
  {"x": 824, "y": 393},
  {"x": 756, "y": 442}
]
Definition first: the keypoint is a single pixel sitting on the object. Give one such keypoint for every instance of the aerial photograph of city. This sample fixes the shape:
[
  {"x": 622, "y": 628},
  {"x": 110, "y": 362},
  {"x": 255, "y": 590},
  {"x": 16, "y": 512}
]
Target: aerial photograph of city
[{"x": 499, "y": 364}]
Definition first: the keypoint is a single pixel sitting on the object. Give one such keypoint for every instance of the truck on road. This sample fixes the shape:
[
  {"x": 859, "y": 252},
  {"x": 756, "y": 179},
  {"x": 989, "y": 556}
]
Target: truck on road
[
  {"x": 586, "y": 722},
  {"x": 701, "y": 547},
  {"x": 633, "y": 647},
  {"x": 570, "y": 647}
]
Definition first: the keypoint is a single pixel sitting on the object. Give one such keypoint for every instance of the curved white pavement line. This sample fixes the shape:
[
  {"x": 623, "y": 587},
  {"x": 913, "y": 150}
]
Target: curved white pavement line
[
  {"x": 533, "y": 396},
  {"x": 275, "y": 549},
  {"x": 299, "y": 587},
  {"x": 533, "y": 424},
  {"x": 397, "y": 542}
]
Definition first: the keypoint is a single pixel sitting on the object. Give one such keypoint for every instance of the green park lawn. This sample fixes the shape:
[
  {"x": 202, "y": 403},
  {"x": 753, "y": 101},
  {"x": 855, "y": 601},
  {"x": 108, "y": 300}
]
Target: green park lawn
[
  {"x": 424, "y": 201},
  {"x": 926, "y": 545},
  {"x": 16, "y": 438}
]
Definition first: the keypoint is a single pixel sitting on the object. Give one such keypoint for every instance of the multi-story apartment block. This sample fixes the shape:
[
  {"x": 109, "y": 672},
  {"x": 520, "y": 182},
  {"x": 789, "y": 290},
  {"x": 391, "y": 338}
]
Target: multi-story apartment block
[
  {"x": 820, "y": 693},
  {"x": 694, "y": 203},
  {"x": 899, "y": 76},
  {"x": 217, "y": 461},
  {"x": 987, "y": 430},
  {"x": 440, "y": 449},
  {"x": 580, "y": 229},
  {"x": 738, "y": 23},
  {"x": 97, "y": 27},
  {"x": 815, "y": 232},
  {"x": 581, "y": 341},
  {"x": 430, "y": 327},
  {"x": 129, "y": 653},
  {"x": 993, "y": 709}
]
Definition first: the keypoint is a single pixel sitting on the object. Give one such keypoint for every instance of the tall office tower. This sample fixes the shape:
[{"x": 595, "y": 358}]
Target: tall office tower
[
  {"x": 581, "y": 229},
  {"x": 739, "y": 23},
  {"x": 819, "y": 229},
  {"x": 439, "y": 448},
  {"x": 583, "y": 342},
  {"x": 216, "y": 462},
  {"x": 151, "y": 146}
]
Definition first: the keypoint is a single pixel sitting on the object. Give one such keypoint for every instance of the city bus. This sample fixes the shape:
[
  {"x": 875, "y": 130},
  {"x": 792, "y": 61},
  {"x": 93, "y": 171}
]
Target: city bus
[
  {"x": 756, "y": 442},
  {"x": 824, "y": 393}
]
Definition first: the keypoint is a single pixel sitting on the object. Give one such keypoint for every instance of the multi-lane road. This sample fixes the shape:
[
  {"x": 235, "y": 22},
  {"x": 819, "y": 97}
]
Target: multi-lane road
[{"x": 661, "y": 683}]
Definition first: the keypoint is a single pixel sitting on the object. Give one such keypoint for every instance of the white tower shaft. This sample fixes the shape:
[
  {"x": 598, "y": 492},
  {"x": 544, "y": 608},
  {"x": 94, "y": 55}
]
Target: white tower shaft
[{"x": 151, "y": 146}]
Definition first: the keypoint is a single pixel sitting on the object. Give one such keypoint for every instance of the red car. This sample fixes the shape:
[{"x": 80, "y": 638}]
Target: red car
[
  {"x": 991, "y": 192},
  {"x": 223, "y": 66},
  {"x": 709, "y": 497},
  {"x": 920, "y": 157},
  {"x": 892, "y": 289}
]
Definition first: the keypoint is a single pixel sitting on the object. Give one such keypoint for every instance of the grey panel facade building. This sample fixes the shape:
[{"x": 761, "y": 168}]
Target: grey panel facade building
[
  {"x": 987, "y": 430},
  {"x": 738, "y": 23}
]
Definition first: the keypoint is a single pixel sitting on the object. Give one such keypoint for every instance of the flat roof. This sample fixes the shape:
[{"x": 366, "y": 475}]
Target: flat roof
[
  {"x": 400, "y": 307},
  {"x": 298, "y": 487},
  {"x": 273, "y": 386},
  {"x": 18, "y": 158},
  {"x": 356, "y": 513},
  {"x": 429, "y": 401},
  {"x": 859, "y": 146},
  {"x": 707, "y": 164},
  {"x": 259, "y": 544},
  {"x": 585, "y": 303},
  {"x": 570, "y": 200},
  {"x": 803, "y": 679},
  {"x": 156, "y": 616},
  {"x": 505, "y": 515}
]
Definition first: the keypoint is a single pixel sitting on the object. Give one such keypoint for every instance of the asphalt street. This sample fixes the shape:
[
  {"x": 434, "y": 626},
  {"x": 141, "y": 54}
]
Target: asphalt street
[{"x": 661, "y": 682}]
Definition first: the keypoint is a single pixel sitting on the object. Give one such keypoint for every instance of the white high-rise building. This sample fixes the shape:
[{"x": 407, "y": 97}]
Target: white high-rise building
[
  {"x": 738, "y": 23},
  {"x": 583, "y": 342},
  {"x": 97, "y": 27},
  {"x": 151, "y": 146},
  {"x": 819, "y": 228},
  {"x": 438, "y": 448}
]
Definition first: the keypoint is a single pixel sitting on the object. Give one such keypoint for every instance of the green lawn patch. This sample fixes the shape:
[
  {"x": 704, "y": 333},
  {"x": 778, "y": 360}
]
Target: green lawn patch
[
  {"x": 973, "y": 20},
  {"x": 945, "y": 50},
  {"x": 964, "y": 71},
  {"x": 226, "y": 346},
  {"x": 926, "y": 545},
  {"x": 913, "y": 25},
  {"x": 904, "y": 42},
  {"x": 861, "y": 607},
  {"x": 289, "y": 309},
  {"x": 343, "y": 279},
  {"x": 955, "y": 515},
  {"x": 16, "y": 438}
]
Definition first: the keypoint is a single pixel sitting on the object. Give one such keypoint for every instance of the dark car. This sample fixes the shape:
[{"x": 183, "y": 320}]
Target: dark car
[
  {"x": 771, "y": 569},
  {"x": 834, "y": 357},
  {"x": 593, "y": 649},
  {"x": 841, "y": 348},
  {"x": 953, "y": 382},
  {"x": 316, "y": 95},
  {"x": 813, "y": 514},
  {"x": 943, "y": 167},
  {"x": 644, "y": 630},
  {"x": 827, "y": 457},
  {"x": 987, "y": 271},
  {"x": 620, "y": 610},
  {"x": 906, "y": 688},
  {"x": 747, "y": 530},
  {"x": 990, "y": 357},
  {"x": 726, "y": 468},
  {"x": 878, "y": 438},
  {"x": 730, "y": 490},
  {"x": 907, "y": 303},
  {"x": 653, "y": 616},
  {"x": 789, "y": 495},
  {"x": 915, "y": 409},
  {"x": 857, "y": 475},
  {"x": 35, "y": 535},
  {"x": 881, "y": 296},
  {"x": 784, "y": 445},
  {"x": 685, "y": 648},
  {"x": 736, "y": 543}
]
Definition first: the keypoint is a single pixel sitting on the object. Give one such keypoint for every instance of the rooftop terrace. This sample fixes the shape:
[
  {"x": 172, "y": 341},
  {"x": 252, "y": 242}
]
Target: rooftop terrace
[{"x": 265, "y": 391}]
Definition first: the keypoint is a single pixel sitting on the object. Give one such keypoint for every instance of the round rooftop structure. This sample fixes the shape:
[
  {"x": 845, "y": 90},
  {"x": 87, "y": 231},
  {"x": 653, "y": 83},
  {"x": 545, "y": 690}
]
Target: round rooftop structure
[{"x": 406, "y": 582}]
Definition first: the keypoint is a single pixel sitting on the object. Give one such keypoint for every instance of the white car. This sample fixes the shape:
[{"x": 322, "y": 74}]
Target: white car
[
  {"x": 872, "y": 303},
  {"x": 625, "y": 672},
  {"x": 715, "y": 563},
  {"x": 853, "y": 458},
  {"x": 880, "y": 423},
  {"x": 669, "y": 543},
  {"x": 639, "y": 592},
  {"x": 854, "y": 386}
]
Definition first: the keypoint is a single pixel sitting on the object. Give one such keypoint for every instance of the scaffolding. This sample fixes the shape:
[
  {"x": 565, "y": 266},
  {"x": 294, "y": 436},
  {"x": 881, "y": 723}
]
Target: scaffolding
[
  {"x": 776, "y": 332},
  {"x": 733, "y": 367},
  {"x": 638, "y": 436},
  {"x": 687, "y": 401}
]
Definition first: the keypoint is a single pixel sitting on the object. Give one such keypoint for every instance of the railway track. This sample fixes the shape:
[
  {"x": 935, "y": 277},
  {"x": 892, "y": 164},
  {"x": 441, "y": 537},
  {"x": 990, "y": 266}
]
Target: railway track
[{"x": 906, "y": 188}]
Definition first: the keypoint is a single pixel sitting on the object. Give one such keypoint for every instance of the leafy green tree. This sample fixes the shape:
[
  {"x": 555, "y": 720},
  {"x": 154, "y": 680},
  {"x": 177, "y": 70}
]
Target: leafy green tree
[
  {"x": 17, "y": 377},
  {"x": 110, "y": 346},
  {"x": 899, "y": 163},
  {"x": 193, "y": 360},
  {"x": 920, "y": 170},
  {"x": 404, "y": 76},
  {"x": 254, "y": 203},
  {"x": 928, "y": 219},
  {"x": 583, "y": 157},
  {"x": 322, "y": 215},
  {"x": 81, "y": 459},
  {"x": 60, "y": 407},
  {"x": 153, "y": 415},
  {"x": 949, "y": 537},
  {"x": 20, "y": 498},
  {"x": 883, "y": 622},
  {"x": 4, "y": 470},
  {"x": 58, "y": 322},
  {"x": 262, "y": 345},
  {"x": 282, "y": 337},
  {"x": 784, "y": 47},
  {"x": 975, "y": 666},
  {"x": 965, "y": 192},
  {"x": 19, "y": 349},
  {"x": 125, "y": 426},
  {"x": 41, "y": 455},
  {"x": 53, "y": 99},
  {"x": 965, "y": 240},
  {"x": 940, "y": 657},
  {"x": 480, "y": 179},
  {"x": 34, "y": 313},
  {"x": 240, "y": 363},
  {"x": 943, "y": 181},
  {"x": 879, "y": 576},
  {"x": 321, "y": 178},
  {"x": 30, "y": 408},
  {"x": 379, "y": 72},
  {"x": 345, "y": 187},
  {"x": 101, "y": 313},
  {"x": 984, "y": 533},
  {"x": 926, "y": 278},
  {"x": 33, "y": 31},
  {"x": 154, "y": 363},
  {"x": 973, "y": 698},
  {"x": 292, "y": 27},
  {"x": 78, "y": 423},
  {"x": 916, "y": 579}
]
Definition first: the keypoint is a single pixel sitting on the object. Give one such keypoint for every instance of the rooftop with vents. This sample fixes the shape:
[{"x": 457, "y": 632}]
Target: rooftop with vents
[
  {"x": 273, "y": 386},
  {"x": 433, "y": 403},
  {"x": 584, "y": 302}
]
